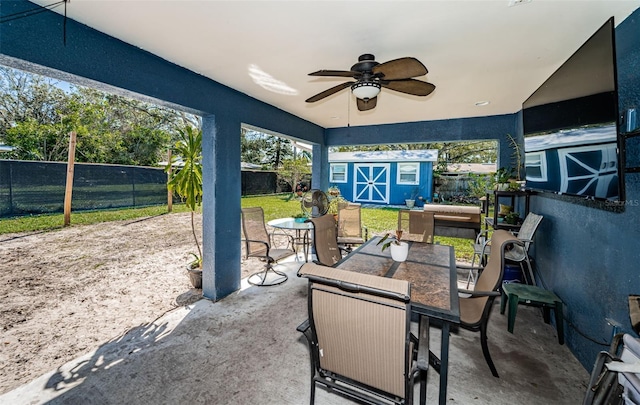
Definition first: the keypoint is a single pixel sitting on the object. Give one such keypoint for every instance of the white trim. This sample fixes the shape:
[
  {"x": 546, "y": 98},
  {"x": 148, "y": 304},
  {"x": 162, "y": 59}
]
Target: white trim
[
  {"x": 426, "y": 155},
  {"x": 541, "y": 158},
  {"x": 416, "y": 166},
  {"x": 370, "y": 185},
  {"x": 332, "y": 166}
]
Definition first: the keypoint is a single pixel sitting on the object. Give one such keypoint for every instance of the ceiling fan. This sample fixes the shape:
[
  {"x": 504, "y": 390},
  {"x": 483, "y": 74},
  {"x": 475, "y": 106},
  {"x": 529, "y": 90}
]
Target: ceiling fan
[{"x": 370, "y": 76}]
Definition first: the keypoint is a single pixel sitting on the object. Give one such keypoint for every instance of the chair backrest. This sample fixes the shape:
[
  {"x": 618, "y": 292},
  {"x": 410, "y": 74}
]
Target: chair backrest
[
  {"x": 416, "y": 225},
  {"x": 490, "y": 277},
  {"x": 349, "y": 220},
  {"x": 253, "y": 229},
  {"x": 362, "y": 326},
  {"x": 325, "y": 239},
  {"x": 528, "y": 228}
]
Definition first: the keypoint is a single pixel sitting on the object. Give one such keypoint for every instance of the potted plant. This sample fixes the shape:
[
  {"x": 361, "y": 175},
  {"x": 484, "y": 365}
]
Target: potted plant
[
  {"x": 512, "y": 218},
  {"x": 399, "y": 249},
  {"x": 503, "y": 175},
  {"x": 300, "y": 217},
  {"x": 333, "y": 205},
  {"x": 334, "y": 191},
  {"x": 187, "y": 183},
  {"x": 411, "y": 201}
]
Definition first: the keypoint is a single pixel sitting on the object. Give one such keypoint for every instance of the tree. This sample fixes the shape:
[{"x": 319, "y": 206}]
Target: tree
[
  {"x": 36, "y": 118},
  {"x": 294, "y": 169},
  {"x": 187, "y": 181}
]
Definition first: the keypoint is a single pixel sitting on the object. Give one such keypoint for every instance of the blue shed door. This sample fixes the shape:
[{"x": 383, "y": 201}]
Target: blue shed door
[{"x": 371, "y": 183}]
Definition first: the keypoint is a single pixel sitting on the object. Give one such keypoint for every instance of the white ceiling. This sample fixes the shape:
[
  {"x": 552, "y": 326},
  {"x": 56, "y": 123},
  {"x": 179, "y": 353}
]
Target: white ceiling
[{"x": 475, "y": 50}]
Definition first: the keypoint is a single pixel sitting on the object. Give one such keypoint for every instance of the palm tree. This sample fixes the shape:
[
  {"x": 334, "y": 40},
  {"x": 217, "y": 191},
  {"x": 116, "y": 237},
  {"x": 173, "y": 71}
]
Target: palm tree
[{"x": 187, "y": 180}]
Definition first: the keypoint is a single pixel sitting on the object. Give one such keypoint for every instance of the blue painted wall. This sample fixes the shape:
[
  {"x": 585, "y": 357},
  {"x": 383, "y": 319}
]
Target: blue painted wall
[{"x": 588, "y": 252}]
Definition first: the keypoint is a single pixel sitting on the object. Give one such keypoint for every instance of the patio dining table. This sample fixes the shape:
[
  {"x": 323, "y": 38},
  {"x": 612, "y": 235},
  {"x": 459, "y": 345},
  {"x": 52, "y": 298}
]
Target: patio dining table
[
  {"x": 301, "y": 229},
  {"x": 431, "y": 270}
]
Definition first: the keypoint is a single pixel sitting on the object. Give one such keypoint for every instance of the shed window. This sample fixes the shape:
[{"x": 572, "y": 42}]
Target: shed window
[
  {"x": 536, "y": 166},
  {"x": 408, "y": 173},
  {"x": 338, "y": 173}
]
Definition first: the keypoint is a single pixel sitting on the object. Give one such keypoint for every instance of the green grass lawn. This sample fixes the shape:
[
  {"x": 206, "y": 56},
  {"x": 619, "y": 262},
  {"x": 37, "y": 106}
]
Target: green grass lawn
[{"x": 377, "y": 220}]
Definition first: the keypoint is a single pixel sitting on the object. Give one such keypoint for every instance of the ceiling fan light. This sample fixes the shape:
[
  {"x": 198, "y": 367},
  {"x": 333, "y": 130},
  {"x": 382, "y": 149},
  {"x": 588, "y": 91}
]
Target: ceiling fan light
[{"x": 365, "y": 90}]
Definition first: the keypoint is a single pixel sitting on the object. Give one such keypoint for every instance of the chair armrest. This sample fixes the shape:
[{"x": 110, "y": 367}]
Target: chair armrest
[
  {"x": 468, "y": 267},
  {"x": 423, "y": 344},
  {"x": 484, "y": 234},
  {"x": 303, "y": 326},
  {"x": 474, "y": 294},
  {"x": 258, "y": 241}
]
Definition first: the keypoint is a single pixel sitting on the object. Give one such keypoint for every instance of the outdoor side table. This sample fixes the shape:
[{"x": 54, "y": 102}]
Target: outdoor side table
[{"x": 516, "y": 293}]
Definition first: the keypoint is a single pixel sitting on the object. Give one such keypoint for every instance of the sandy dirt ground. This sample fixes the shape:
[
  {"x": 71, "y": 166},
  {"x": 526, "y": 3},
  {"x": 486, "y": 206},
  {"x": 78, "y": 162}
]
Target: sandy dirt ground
[{"x": 64, "y": 292}]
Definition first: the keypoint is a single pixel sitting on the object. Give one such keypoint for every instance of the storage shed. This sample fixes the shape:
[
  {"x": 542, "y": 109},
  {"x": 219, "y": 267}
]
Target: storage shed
[{"x": 383, "y": 177}]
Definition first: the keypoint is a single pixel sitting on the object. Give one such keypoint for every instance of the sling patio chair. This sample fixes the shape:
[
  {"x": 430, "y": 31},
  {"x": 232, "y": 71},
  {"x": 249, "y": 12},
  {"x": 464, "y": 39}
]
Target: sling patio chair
[
  {"x": 350, "y": 229},
  {"x": 518, "y": 254},
  {"x": 359, "y": 336},
  {"x": 476, "y": 304},
  {"x": 325, "y": 240},
  {"x": 258, "y": 244},
  {"x": 417, "y": 226}
]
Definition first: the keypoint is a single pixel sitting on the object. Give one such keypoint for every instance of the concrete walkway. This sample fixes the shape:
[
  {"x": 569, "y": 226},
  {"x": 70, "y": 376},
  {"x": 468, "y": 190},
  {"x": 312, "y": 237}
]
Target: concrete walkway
[{"x": 245, "y": 350}]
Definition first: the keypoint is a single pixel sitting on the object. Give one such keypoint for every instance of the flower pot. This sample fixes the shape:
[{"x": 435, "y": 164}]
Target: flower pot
[
  {"x": 195, "y": 275},
  {"x": 300, "y": 219},
  {"x": 399, "y": 252},
  {"x": 410, "y": 203}
]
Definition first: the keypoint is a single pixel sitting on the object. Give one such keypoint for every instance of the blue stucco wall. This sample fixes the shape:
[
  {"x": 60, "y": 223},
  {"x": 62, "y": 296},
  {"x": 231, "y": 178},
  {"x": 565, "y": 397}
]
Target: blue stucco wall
[
  {"x": 588, "y": 252},
  {"x": 463, "y": 129}
]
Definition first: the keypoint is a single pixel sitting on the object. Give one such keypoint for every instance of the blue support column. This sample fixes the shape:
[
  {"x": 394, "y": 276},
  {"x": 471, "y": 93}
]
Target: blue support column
[
  {"x": 220, "y": 207},
  {"x": 320, "y": 164}
]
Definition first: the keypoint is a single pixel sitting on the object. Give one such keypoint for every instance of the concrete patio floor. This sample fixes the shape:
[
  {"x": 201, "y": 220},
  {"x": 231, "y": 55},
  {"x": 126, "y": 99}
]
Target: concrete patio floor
[{"x": 245, "y": 349}]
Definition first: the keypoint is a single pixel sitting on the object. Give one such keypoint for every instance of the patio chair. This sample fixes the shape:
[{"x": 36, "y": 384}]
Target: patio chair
[
  {"x": 359, "y": 336},
  {"x": 350, "y": 229},
  {"x": 325, "y": 240},
  {"x": 476, "y": 304},
  {"x": 417, "y": 226},
  {"x": 258, "y": 244},
  {"x": 518, "y": 254}
]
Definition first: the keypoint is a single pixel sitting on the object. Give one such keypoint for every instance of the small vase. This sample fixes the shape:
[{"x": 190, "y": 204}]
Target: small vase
[
  {"x": 410, "y": 203},
  {"x": 399, "y": 252}
]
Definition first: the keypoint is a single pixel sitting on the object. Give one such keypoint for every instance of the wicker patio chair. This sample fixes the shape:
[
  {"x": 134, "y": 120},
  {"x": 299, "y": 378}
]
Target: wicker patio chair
[
  {"x": 359, "y": 336},
  {"x": 258, "y": 244}
]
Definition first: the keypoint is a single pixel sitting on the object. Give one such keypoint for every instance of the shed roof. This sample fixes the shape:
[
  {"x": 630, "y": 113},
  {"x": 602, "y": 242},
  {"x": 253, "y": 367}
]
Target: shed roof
[{"x": 427, "y": 155}]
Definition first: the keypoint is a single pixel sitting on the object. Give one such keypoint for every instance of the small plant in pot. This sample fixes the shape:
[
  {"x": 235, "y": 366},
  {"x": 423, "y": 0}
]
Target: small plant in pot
[
  {"x": 187, "y": 183},
  {"x": 512, "y": 218},
  {"x": 399, "y": 249},
  {"x": 300, "y": 217}
]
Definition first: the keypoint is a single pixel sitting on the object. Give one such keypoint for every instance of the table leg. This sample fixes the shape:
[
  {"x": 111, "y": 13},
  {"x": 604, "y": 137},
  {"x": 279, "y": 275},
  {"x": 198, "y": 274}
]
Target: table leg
[
  {"x": 513, "y": 310},
  {"x": 559, "y": 321},
  {"x": 444, "y": 363},
  {"x": 503, "y": 300},
  {"x": 423, "y": 334}
]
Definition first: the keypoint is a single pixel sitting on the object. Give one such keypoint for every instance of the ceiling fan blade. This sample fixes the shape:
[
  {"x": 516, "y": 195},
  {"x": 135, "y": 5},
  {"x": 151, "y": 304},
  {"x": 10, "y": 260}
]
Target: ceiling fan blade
[
  {"x": 337, "y": 73},
  {"x": 409, "y": 86},
  {"x": 370, "y": 104},
  {"x": 328, "y": 92},
  {"x": 397, "y": 69}
]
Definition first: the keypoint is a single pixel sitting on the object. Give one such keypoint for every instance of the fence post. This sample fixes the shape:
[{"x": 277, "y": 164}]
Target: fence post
[
  {"x": 169, "y": 192},
  {"x": 69, "y": 186}
]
